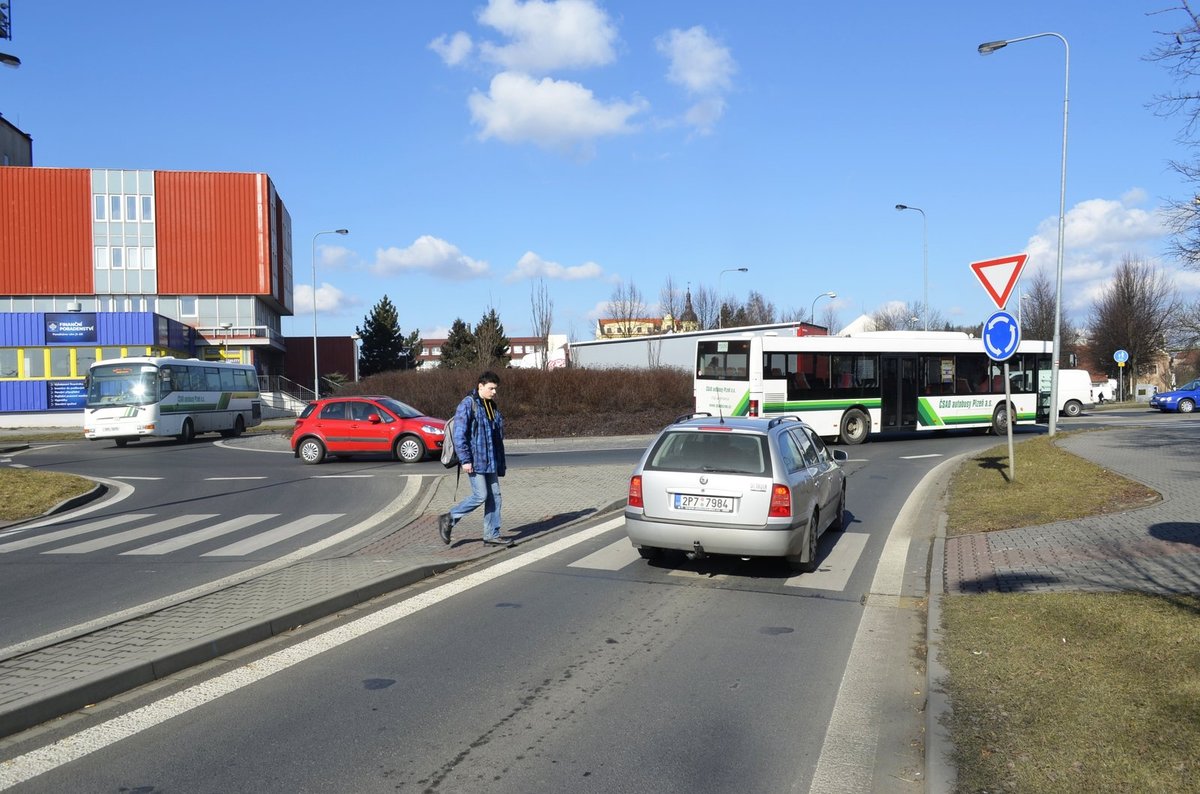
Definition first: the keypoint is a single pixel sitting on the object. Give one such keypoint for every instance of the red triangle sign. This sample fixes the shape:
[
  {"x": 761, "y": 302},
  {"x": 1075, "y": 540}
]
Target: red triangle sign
[{"x": 999, "y": 276}]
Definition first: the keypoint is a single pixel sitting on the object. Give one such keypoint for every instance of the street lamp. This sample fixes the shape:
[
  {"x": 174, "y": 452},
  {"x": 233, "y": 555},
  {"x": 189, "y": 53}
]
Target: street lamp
[
  {"x": 355, "y": 338},
  {"x": 812, "y": 314},
  {"x": 316, "y": 372},
  {"x": 225, "y": 339},
  {"x": 719, "y": 277},
  {"x": 988, "y": 48},
  {"x": 925, "y": 256},
  {"x": 11, "y": 61}
]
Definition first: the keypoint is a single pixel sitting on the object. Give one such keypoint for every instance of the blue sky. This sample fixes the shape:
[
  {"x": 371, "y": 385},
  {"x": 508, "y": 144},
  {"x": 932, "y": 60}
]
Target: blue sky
[{"x": 471, "y": 147}]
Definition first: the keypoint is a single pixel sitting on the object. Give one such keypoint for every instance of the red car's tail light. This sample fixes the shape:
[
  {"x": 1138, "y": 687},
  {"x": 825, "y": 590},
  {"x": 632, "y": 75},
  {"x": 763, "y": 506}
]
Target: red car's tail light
[
  {"x": 781, "y": 501},
  {"x": 635, "y": 491}
]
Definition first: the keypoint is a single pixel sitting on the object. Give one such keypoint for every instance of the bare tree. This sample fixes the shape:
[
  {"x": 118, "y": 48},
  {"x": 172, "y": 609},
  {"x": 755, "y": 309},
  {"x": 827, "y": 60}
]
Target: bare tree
[
  {"x": 829, "y": 319},
  {"x": 905, "y": 317},
  {"x": 707, "y": 306},
  {"x": 541, "y": 307},
  {"x": 759, "y": 310},
  {"x": 1137, "y": 312},
  {"x": 1180, "y": 54},
  {"x": 626, "y": 305},
  {"x": 1037, "y": 314},
  {"x": 670, "y": 300}
]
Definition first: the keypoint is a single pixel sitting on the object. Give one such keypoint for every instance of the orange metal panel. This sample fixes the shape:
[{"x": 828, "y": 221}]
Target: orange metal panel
[
  {"x": 213, "y": 233},
  {"x": 45, "y": 231}
]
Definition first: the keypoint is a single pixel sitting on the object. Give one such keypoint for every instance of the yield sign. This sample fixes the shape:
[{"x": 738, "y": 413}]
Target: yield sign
[{"x": 999, "y": 276}]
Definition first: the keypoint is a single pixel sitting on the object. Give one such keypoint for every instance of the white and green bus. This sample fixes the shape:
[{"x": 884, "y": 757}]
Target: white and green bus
[
  {"x": 155, "y": 397},
  {"x": 850, "y": 386}
]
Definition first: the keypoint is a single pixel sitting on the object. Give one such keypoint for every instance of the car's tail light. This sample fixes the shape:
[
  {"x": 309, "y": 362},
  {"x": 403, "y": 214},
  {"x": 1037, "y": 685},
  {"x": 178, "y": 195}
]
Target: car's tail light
[
  {"x": 635, "y": 491},
  {"x": 781, "y": 501},
  {"x": 754, "y": 408}
]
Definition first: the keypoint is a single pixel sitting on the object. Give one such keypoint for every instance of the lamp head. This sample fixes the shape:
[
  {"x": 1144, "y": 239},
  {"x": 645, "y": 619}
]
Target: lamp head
[
  {"x": 11, "y": 61},
  {"x": 988, "y": 47},
  {"x": 341, "y": 231},
  {"x": 831, "y": 294},
  {"x": 901, "y": 206},
  {"x": 743, "y": 269}
]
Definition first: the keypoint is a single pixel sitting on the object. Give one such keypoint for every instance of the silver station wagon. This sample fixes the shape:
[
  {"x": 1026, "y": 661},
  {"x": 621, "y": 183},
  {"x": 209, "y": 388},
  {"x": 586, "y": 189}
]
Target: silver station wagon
[{"x": 764, "y": 487}]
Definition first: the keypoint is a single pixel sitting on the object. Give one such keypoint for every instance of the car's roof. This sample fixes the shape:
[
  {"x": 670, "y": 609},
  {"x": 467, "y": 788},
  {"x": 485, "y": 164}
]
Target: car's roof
[{"x": 759, "y": 424}]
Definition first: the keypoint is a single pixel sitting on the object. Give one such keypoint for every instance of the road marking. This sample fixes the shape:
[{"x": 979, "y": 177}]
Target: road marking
[
  {"x": 108, "y": 541},
  {"x": 340, "y": 476},
  {"x": 834, "y": 572},
  {"x": 612, "y": 557},
  {"x": 81, "y": 744},
  {"x": 201, "y": 535},
  {"x": 127, "y": 477},
  {"x": 261, "y": 541},
  {"x": 919, "y": 457},
  {"x": 219, "y": 479},
  {"x": 82, "y": 529}
]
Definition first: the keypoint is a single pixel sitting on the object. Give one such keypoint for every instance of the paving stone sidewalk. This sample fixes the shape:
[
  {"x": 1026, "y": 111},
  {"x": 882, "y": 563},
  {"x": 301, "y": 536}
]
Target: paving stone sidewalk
[
  {"x": 43, "y": 683},
  {"x": 1153, "y": 549}
]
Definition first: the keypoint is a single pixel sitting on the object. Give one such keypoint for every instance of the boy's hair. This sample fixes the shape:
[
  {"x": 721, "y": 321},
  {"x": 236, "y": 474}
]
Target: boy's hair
[{"x": 489, "y": 377}]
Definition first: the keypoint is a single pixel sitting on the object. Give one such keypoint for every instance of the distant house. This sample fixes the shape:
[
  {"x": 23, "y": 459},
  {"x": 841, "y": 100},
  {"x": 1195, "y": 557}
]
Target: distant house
[{"x": 519, "y": 348}]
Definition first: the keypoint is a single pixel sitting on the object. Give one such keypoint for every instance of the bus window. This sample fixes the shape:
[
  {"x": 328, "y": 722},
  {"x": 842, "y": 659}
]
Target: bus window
[
  {"x": 723, "y": 360},
  {"x": 212, "y": 379},
  {"x": 228, "y": 383}
]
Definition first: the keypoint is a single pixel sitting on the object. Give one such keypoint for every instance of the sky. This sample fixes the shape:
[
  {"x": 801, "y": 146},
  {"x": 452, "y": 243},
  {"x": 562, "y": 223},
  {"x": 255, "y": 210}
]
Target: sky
[{"x": 475, "y": 148}]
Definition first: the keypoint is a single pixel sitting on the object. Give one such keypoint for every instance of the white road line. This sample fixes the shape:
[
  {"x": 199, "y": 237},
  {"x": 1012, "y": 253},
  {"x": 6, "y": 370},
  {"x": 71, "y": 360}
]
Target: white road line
[
  {"x": 919, "y": 457},
  {"x": 82, "y": 529},
  {"x": 201, "y": 535},
  {"x": 108, "y": 541},
  {"x": 341, "y": 476},
  {"x": 612, "y": 557},
  {"x": 686, "y": 574},
  {"x": 79, "y": 745},
  {"x": 836, "y": 568},
  {"x": 277, "y": 535},
  {"x": 219, "y": 479},
  {"x": 126, "y": 477}
]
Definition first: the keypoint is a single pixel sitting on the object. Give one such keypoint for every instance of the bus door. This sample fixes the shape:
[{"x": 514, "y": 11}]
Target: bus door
[{"x": 899, "y": 393}]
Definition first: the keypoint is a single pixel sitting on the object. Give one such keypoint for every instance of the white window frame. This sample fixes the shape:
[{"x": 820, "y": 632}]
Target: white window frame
[
  {"x": 115, "y": 205},
  {"x": 118, "y": 257},
  {"x": 149, "y": 258},
  {"x": 147, "y": 203},
  {"x": 101, "y": 260},
  {"x": 131, "y": 208},
  {"x": 100, "y": 207},
  {"x": 133, "y": 258}
]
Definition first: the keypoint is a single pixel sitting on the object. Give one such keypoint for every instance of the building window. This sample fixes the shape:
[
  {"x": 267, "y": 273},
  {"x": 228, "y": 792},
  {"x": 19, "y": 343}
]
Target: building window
[
  {"x": 99, "y": 205},
  {"x": 131, "y": 208},
  {"x": 60, "y": 362},
  {"x": 84, "y": 357},
  {"x": 187, "y": 307},
  {"x": 148, "y": 209},
  {"x": 101, "y": 257},
  {"x": 114, "y": 206},
  {"x": 8, "y": 362},
  {"x": 118, "y": 258},
  {"x": 148, "y": 258},
  {"x": 133, "y": 258},
  {"x": 35, "y": 362}
]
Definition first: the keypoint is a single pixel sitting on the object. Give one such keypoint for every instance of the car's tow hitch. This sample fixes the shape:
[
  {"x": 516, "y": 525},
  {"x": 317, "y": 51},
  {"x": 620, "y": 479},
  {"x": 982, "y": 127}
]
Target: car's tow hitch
[{"x": 697, "y": 552}]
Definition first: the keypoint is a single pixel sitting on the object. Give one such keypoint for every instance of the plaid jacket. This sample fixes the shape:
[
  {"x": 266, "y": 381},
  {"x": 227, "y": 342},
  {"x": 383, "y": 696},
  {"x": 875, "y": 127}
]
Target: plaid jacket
[{"x": 478, "y": 440}]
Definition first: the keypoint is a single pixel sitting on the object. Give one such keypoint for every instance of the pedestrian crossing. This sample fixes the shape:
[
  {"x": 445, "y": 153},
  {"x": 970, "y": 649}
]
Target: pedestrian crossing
[
  {"x": 134, "y": 528},
  {"x": 833, "y": 574}
]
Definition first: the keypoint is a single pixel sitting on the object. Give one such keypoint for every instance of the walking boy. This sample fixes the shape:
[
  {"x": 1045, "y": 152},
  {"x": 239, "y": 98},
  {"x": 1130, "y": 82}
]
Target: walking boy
[{"x": 479, "y": 442}]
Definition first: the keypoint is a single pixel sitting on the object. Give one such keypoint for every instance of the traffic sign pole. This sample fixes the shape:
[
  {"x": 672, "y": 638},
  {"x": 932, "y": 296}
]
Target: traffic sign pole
[{"x": 1012, "y": 458}]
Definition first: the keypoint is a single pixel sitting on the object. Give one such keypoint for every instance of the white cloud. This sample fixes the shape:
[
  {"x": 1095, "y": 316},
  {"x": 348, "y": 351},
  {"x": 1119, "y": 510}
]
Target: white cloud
[
  {"x": 330, "y": 299},
  {"x": 437, "y": 332},
  {"x": 548, "y": 35},
  {"x": 549, "y": 113},
  {"x": 432, "y": 255},
  {"x": 1098, "y": 234},
  {"x": 453, "y": 50},
  {"x": 532, "y": 266},
  {"x": 335, "y": 257},
  {"x": 597, "y": 311},
  {"x": 703, "y": 67}
]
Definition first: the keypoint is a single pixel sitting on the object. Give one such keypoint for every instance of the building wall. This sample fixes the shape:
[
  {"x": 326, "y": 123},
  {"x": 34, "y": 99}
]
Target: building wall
[
  {"x": 16, "y": 147},
  {"x": 45, "y": 231}
]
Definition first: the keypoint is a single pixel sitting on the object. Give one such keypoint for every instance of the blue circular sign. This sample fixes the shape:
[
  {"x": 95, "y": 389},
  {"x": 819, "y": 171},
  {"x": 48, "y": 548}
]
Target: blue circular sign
[
  {"x": 1121, "y": 356},
  {"x": 1001, "y": 335}
]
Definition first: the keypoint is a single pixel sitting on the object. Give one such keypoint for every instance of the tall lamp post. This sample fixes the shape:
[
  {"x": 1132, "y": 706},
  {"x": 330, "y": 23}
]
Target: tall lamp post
[
  {"x": 924, "y": 257},
  {"x": 987, "y": 48},
  {"x": 356, "y": 339},
  {"x": 812, "y": 313},
  {"x": 317, "y": 372},
  {"x": 719, "y": 277}
]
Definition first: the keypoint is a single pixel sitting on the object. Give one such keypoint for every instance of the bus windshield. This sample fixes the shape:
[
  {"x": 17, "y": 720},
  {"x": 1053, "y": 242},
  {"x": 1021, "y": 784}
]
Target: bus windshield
[
  {"x": 122, "y": 384},
  {"x": 723, "y": 359}
]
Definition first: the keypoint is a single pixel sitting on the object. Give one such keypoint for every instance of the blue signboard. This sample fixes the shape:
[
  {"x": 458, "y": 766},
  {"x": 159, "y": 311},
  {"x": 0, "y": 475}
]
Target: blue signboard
[
  {"x": 65, "y": 395},
  {"x": 1121, "y": 356},
  {"x": 1001, "y": 335},
  {"x": 69, "y": 328}
]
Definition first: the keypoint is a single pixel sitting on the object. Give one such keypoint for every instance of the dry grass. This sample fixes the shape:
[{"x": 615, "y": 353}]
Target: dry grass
[
  {"x": 1074, "y": 692},
  {"x": 27, "y": 492},
  {"x": 1050, "y": 485}
]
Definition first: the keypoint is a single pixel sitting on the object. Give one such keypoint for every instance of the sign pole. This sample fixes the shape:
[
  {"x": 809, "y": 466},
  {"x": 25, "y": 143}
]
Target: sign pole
[{"x": 1012, "y": 460}]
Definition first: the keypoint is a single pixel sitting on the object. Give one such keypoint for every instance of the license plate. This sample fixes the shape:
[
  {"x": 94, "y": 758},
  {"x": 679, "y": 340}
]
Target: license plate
[
  {"x": 709, "y": 504},
  {"x": 112, "y": 429}
]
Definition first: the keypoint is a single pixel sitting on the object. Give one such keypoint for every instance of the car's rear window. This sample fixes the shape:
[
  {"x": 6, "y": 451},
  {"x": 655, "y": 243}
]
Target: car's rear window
[{"x": 691, "y": 450}]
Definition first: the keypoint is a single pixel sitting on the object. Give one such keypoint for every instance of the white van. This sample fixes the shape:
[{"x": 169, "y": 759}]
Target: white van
[{"x": 1074, "y": 391}]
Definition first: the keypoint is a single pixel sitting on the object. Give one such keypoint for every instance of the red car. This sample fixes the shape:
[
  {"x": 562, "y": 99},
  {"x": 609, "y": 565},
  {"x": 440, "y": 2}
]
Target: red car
[{"x": 344, "y": 426}]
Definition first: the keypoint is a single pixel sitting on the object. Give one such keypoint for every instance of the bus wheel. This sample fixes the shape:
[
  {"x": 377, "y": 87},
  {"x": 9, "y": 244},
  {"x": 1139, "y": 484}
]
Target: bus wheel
[
  {"x": 1000, "y": 420},
  {"x": 187, "y": 433},
  {"x": 409, "y": 449},
  {"x": 855, "y": 426},
  {"x": 239, "y": 427}
]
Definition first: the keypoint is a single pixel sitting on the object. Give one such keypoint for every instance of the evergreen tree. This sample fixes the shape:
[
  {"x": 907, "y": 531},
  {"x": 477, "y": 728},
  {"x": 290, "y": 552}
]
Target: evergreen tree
[
  {"x": 384, "y": 345},
  {"x": 458, "y": 351},
  {"x": 491, "y": 345}
]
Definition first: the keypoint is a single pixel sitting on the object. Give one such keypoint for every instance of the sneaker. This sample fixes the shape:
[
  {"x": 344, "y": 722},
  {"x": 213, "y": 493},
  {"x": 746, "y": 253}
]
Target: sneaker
[
  {"x": 505, "y": 542},
  {"x": 444, "y": 526}
]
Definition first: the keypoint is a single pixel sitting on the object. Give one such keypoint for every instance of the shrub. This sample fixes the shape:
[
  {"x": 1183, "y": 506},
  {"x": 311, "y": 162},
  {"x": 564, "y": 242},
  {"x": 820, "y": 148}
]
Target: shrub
[{"x": 549, "y": 404}]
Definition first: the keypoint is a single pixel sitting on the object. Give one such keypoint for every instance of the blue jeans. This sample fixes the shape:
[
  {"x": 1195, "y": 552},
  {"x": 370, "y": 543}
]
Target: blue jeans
[{"x": 485, "y": 490}]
